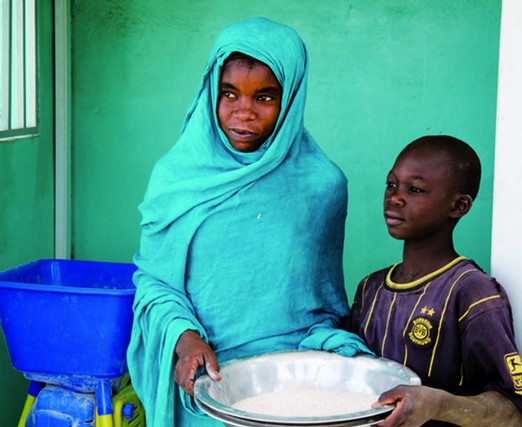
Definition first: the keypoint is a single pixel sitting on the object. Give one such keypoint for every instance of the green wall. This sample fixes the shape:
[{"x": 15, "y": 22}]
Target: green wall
[
  {"x": 382, "y": 73},
  {"x": 27, "y": 205}
]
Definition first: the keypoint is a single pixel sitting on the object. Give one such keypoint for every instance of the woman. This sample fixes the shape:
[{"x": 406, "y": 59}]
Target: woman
[{"x": 242, "y": 230}]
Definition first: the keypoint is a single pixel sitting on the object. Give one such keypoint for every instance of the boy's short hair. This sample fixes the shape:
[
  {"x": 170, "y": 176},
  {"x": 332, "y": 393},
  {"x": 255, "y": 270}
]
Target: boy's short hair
[{"x": 461, "y": 158}]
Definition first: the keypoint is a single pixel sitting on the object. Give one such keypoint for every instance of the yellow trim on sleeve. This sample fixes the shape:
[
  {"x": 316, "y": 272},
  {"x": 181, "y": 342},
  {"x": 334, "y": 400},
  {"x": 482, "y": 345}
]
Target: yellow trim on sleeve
[{"x": 477, "y": 303}]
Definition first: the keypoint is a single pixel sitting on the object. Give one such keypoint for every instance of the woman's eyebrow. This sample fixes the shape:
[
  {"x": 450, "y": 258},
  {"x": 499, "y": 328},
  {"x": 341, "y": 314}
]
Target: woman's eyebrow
[
  {"x": 226, "y": 85},
  {"x": 273, "y": 90}
]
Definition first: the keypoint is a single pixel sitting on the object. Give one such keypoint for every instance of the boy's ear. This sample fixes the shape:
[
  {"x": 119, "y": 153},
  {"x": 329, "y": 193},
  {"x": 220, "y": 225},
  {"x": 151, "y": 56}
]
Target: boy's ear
[{"x": 462, "y": 206}]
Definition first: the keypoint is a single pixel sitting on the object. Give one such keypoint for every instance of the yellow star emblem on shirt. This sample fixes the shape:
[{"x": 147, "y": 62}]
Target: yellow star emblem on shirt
[{"x": 429, "y": 311}]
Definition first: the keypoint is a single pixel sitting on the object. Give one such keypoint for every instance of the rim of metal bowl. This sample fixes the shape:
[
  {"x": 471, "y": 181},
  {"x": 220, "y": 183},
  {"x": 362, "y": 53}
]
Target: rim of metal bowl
[
  {"x": 233, "y": 421},
  {"x": 205, "y": 401}
]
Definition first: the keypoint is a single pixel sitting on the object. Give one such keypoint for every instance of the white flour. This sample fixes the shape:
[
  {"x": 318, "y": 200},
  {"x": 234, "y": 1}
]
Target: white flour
[{"x": 306, "y": 402}]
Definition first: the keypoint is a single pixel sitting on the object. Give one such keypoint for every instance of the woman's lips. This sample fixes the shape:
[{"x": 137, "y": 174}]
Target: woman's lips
[{"x": 243, "y": 133}]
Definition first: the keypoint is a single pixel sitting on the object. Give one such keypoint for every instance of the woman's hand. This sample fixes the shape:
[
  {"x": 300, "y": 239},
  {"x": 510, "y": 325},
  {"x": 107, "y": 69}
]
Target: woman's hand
[{"x": 193, "y": 352}]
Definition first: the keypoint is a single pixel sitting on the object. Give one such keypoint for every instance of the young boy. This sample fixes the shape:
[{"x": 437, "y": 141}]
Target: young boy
[{"x": 437, "y": 312}]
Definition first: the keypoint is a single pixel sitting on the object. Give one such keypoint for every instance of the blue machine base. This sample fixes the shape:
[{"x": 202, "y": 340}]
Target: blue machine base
[{"x": 58, "y": 407}]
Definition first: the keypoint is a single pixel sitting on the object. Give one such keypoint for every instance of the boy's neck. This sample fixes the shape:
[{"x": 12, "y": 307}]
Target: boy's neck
[{"x": 420, "y": 260}]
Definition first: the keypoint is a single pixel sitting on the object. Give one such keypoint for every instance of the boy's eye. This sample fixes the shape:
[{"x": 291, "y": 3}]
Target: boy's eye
[
  {"x": 413, "y": 189},
  {"x": 390, "y": 184}
]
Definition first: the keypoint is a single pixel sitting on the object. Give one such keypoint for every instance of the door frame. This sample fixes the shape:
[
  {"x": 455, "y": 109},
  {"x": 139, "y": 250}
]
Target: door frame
[{"x": 62, "y": 172}]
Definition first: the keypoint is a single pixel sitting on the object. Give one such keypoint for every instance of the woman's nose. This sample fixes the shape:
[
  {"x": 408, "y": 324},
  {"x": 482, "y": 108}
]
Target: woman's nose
[{"x": 245, "y": 109}]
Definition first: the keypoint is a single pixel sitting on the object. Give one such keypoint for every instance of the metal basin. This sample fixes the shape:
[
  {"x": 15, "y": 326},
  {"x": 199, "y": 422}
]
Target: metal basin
[{"x": 248, "y": 377}]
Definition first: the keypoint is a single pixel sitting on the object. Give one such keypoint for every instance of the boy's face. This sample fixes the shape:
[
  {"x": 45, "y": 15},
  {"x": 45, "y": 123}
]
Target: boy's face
[
  {"x": 420, "y": 196},
  {"x": 248, "y": 105}
]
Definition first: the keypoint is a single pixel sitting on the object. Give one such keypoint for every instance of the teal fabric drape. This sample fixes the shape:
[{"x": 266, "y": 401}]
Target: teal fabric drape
[{"x": 244, "y": 248}]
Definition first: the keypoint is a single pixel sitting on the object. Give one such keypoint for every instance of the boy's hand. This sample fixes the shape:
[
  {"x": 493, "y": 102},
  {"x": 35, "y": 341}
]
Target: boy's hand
[
  {"x": 414, "y": 406},
  {"x": 193, "y": 352}
]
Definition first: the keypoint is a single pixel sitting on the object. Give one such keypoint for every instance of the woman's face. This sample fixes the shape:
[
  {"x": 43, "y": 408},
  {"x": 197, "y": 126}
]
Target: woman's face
[{"x": 249, "y": 103}]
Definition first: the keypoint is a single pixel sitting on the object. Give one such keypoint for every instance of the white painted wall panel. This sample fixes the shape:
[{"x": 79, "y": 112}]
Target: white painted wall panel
[{"x": 506, "y": 249}]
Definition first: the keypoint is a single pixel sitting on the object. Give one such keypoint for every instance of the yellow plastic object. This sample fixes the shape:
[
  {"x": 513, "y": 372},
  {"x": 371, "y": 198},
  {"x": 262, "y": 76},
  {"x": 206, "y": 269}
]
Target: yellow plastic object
[
  {"x": 127, "y": 410},
  {"x": 29, "y": 401},
  {"x": 34, "y": 388},
  {"x": 126, "y": 399},
  {"x": 104, "y": 420}
]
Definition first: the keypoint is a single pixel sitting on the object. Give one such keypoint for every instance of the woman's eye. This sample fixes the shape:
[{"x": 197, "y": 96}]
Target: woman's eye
[
  {"x": 265, "y": 98},
  {"x": 227, "y": 94}
]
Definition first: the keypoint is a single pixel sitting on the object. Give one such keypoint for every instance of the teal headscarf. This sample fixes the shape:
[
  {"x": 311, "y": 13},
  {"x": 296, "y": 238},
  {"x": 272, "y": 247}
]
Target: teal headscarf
[{"x": 244, "y": 248}]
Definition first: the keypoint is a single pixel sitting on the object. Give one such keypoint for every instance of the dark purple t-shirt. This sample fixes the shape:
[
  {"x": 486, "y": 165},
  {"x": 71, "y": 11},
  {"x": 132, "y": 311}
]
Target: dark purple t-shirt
[{"x": 453, "y": 328}]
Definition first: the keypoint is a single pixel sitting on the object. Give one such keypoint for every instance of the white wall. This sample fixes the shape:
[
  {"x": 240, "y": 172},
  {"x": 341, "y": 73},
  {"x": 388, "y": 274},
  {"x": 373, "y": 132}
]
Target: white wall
[{"x": 506, "y": 249}]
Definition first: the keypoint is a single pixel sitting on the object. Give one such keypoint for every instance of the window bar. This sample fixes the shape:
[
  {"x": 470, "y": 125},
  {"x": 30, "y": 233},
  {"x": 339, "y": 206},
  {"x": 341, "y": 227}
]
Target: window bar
[
  {"x": 30, "y": 60},
  {"x": 5, "y": 77},
  {"x": 18, "y": 107}
]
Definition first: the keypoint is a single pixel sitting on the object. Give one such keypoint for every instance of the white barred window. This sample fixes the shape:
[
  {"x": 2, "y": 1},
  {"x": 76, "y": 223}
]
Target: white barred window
[{"x": 18, "y": 100}]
